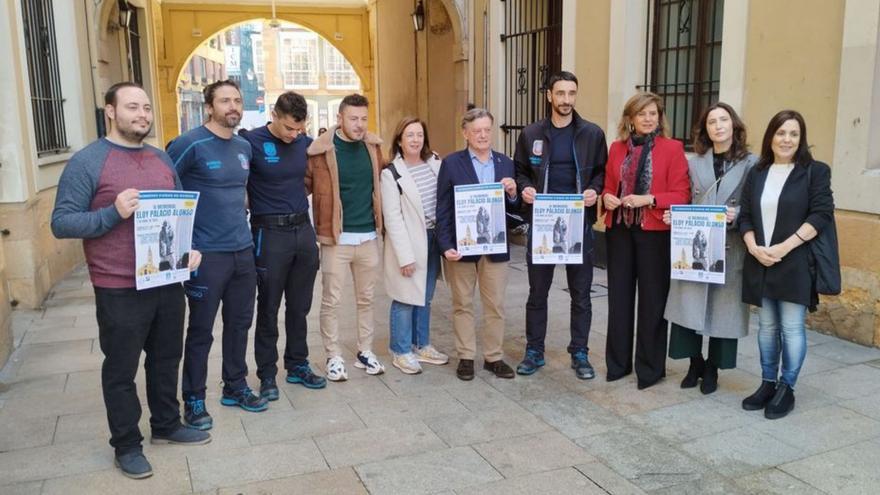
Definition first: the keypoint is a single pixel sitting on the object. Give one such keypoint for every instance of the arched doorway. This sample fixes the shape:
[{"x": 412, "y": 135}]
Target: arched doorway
[
  {"x": 266, "y": 59},
  {"x": 184, "y": 27}
]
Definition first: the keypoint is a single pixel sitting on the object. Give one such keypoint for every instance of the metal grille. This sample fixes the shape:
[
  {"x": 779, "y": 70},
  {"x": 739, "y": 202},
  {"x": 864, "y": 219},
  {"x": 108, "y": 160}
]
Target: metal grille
[
  {"x": 685, "y": 58},
  {"x": 45, "y": 81},
  {"x": 532, "y": 41}
]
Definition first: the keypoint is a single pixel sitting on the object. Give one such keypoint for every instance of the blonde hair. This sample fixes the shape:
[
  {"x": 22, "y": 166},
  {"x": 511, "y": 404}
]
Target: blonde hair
[{"x": 636, "y": 104}]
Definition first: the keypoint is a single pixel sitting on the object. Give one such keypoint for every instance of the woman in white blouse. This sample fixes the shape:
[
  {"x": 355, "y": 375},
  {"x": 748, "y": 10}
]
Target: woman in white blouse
[
  {"x": 412, "y": 256},
  {"x": 786, "y": 202}
]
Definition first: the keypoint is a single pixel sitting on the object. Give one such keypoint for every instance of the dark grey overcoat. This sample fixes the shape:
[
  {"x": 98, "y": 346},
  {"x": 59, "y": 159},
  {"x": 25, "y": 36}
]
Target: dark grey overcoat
[{"x": 715, "y": 310}]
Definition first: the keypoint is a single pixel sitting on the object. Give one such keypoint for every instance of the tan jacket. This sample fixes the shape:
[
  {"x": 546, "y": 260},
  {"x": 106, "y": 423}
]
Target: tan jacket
[
  {"x": 405, "y": 239},
  {"x": 322, "y": 181}
]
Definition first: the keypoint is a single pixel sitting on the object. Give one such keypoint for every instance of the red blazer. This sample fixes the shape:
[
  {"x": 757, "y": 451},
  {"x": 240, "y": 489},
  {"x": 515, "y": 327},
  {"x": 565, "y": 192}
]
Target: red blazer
[{"x": 670, "y": 182}]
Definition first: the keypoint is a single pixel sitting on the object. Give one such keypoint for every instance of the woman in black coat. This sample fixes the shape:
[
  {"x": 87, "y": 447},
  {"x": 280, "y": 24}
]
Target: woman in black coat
[{"x": 786, "y": 202}]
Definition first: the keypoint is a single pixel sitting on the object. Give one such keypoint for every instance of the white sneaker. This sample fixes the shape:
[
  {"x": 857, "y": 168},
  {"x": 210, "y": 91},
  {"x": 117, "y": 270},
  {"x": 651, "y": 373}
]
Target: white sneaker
[
  {"x": 336, "y": 369},
  {"x": 430, "y": 355},
  {"x": 368, "y": 362},
  {"x": 407, "y": 363}
]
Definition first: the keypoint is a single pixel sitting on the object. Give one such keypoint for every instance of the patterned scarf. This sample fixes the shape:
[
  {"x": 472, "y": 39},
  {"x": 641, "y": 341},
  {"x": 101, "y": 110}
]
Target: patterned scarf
[{"x": 635, "y": 175}]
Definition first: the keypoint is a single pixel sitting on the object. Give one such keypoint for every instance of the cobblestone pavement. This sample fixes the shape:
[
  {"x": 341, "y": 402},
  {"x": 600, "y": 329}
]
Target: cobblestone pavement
[{"x": 395, "y": 434}]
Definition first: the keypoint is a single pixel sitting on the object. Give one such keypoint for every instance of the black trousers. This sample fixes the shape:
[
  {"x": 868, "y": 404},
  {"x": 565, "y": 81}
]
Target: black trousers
[
  {"x": 637, "y": 259},
  {"x": 287, "y": 264},
  {"x": 129, "y": 322},
  {"x": 580, "y": 279},
  {"x": 229, "y": 278}
]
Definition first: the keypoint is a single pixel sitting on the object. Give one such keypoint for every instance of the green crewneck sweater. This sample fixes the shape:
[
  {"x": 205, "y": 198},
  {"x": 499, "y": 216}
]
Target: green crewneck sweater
[{"x": 355, "y": 185}]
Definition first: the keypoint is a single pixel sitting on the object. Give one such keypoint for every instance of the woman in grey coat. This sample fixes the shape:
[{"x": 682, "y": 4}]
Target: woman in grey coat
[{"x": 696, "y": 309}]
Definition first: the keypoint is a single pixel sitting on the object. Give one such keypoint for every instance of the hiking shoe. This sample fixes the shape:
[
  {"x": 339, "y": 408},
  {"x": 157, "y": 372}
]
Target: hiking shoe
[
  {"x": 581, "y": 366},
  {"x": 336, "y": 369},
  {"x": 499, "y": 368},
  {"x": 182, "y": 436},
  {"x": 531, "y": 362},
  {"x": 244, "y": 398},
  {"x": 368, "y": 362},
  {"x": 134, "y": 465},
  {"x": 196, "y": 416},
  {"x": 268, "y": 389},
  {"x": 430, "y": 355},
  {"x": 407, "y": 363},
  {"x": 303, "y": 374}
]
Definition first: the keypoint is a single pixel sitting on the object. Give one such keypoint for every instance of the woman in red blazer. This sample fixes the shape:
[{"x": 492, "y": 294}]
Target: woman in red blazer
[{"x": 646, "y": 173}]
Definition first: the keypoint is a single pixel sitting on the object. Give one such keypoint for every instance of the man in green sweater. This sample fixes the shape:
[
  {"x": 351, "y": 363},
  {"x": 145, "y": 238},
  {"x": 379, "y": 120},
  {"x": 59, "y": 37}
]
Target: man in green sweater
[{"x": 343, "y": 178}]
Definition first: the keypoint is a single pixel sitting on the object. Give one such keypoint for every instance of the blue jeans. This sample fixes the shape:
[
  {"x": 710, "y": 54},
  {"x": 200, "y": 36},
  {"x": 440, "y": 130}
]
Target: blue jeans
[
  {"x": 781, "y": 331},
  {"x": 410, "y": 324}
]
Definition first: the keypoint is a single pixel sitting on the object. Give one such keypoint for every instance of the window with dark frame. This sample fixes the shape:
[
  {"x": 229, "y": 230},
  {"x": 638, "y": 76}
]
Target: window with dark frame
[
  {"x": 684, "y": 52},
  {"x": 47, "y": 102},
  {"x": 134, "y": 47}
]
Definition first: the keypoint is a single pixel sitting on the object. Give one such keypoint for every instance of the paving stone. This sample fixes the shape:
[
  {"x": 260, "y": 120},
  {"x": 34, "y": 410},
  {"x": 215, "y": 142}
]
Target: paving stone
[
  {"x": 334, "y": 394},
  {"x": 741, "y": 451},
  {"x": 815, "y": 363},
  {"x": 845, "y": 352},
  {"x": 707, "y": 485},
  {"x": 427, "y": 473},
  {"x": 169, "y": 476},
  {"x": 29, "y": 488},
  {"x": 33, "y": 387},
  {"x": 823, "y": 429},
  {"x": 608, "y": 480},
  {"x": 264, "y": 462},
  {"x": 377, "y": 443},
  {"x": 527, "y": 388},
  {"x": 815, "y": 338},
  {"x": 22, "y": 432},
  {"x": 532, "y": 453},
  {"x": 736, "y": 385},
  {"x": 343, "y": 481},
  {"x": 644, "y": 459},
  {"x": 54, "y": 461},
  {"x": 484, "y": 426},
  {"x": 693, "y": 419},
  {"x": 380, "y": 412},
  {"x": 850, "y": 470},
  {"x": 430, "y": 378},
  {"x": 89, "y": 426},
  {"x": 868, "y": 406},
  {"x": 62, "y": 334},
  {"x": 69, "y": 309},
  {"x": 477, "y": 395},
  {"x": 558, "y": 482},
  {"x": 574, "y": 415},
  {"x": 279, "y": 426},
  {"x": 851, "y": 382},
  {"x": 624, "y": 401},
  {"x": 774, "y": 482},
  {"x": 59, "y": 357},
  {"x": 56, "y": 404}
]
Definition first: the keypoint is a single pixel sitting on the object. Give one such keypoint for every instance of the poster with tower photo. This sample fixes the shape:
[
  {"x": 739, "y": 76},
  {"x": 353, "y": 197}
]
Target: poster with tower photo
[
  {"x": 480, "y": 220},
  {"x": 698, "y": 241},
  {"x": 557, "y": 229},
  {"x": 163, "y": 225}
]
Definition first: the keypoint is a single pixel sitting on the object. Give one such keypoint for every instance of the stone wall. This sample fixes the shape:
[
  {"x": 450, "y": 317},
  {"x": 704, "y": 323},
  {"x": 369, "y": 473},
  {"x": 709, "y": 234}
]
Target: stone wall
[{"x": 5, "y": 313}]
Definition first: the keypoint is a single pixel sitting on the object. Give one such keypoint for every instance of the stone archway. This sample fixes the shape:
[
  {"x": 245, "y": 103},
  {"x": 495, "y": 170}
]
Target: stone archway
[{"x": 183, "y": 27}]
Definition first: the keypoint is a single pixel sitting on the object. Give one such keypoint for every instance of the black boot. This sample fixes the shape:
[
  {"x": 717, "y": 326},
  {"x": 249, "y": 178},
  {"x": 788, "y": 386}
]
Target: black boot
[
  {"x": 710, "y": 379},
  {"x": 781, "y": 404},
  {"x": 761, "y": 397},
  {"x": 695, "y": 371}
]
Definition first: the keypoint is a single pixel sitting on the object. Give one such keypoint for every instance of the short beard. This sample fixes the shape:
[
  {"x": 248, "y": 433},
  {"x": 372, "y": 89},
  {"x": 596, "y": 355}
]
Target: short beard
[
  {"x": 228, "y": 122},
  {"x": 559, "y": 111},
  {"x": 133, "y": 135}
]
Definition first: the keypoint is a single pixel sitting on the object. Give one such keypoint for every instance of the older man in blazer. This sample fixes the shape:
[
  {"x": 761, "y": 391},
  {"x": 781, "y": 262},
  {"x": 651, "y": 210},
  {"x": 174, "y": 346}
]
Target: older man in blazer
[{"x": 477, "y": 164}]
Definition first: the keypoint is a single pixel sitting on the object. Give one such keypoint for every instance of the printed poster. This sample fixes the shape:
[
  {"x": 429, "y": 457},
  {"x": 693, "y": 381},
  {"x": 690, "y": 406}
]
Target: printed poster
[
  {"x": 480, "y": 222},
  {"x": 558, "y": 229},
  {"x": 698, "y": 243},
  {"x": 163, "y": 225}
]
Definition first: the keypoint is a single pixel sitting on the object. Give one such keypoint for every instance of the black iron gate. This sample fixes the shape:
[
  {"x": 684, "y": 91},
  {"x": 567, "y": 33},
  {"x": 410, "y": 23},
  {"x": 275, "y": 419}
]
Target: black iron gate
[{"x": 532, "y": 41}]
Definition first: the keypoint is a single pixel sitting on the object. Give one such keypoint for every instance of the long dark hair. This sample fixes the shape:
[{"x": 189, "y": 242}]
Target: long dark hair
[
  {"x": 801, "y": 157},
  {"x": 424, "y": 154},
  {"x": 738, "y": 147}
]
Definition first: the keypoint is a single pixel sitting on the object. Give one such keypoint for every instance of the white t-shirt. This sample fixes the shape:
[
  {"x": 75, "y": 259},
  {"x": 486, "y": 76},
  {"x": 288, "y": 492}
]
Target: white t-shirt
[{"x": 776, "y": 177}]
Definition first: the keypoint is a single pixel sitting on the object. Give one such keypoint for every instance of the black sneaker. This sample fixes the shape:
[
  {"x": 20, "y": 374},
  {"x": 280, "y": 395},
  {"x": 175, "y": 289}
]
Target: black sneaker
[
  {"x": 196, "y": 416},
  {"x": 499, "y": 368},
  {"x": 303, "y": 374},
  {"x": 134, "y": 465},
  {"x": 182, "y": 436},
  {"x": 580, "y": 363},
  {"x": 465, "y": 370},
  {"x": 244, "y": 398},
  {"x": 268, "y": 389}
]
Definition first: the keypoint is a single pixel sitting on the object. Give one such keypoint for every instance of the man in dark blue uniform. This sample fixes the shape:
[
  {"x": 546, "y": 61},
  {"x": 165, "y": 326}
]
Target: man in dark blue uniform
[{"x": 285, "y": 247}]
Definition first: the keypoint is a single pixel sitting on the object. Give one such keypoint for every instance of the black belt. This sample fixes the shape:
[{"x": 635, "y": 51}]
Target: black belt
[{"x": 280, "y": 220}]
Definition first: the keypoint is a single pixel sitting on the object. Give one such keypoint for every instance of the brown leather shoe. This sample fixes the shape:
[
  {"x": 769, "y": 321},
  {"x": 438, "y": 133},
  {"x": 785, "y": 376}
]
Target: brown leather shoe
[
  {"x": 500, "y": 368},
  {"x": 465, "y": 370}
]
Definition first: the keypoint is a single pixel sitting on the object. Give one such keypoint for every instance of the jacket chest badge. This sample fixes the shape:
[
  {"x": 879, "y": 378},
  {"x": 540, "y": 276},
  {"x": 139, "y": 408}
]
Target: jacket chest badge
[{"x": 538, "y": 147}]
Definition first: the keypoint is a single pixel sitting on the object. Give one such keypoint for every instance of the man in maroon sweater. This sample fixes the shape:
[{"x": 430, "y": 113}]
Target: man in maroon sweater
[{"x": 97, "y": 195}]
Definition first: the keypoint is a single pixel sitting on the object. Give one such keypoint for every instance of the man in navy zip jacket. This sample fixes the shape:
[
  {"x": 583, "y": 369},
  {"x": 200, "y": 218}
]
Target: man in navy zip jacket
[
  {"x": 478, "y": 164},
  {"x": 562, "y": 154}
]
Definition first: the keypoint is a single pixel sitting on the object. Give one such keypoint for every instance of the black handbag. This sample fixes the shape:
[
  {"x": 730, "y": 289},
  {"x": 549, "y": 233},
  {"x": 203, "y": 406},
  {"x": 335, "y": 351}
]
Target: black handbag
[{"x": 825, "y": 255}]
